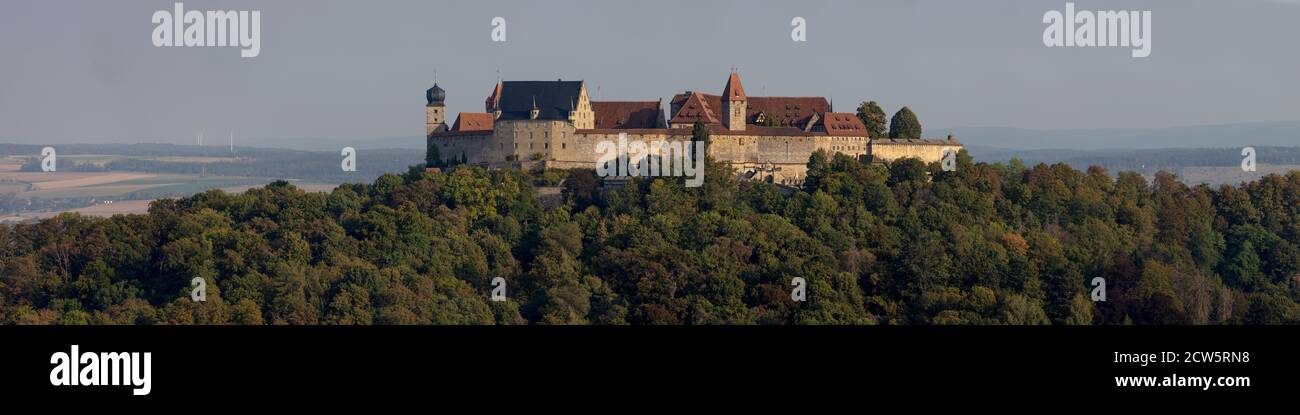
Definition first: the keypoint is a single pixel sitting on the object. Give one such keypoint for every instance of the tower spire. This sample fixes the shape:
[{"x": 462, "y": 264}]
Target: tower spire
[{"x": 734, "y": 99}]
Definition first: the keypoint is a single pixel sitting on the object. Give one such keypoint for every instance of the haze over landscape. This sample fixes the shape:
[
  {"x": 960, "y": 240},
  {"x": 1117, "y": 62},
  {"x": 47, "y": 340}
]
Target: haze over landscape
[
  {"x": 96, "y": 78},
  {"x": 313, "y": 198},
  {"x": 315, "y": 88}
]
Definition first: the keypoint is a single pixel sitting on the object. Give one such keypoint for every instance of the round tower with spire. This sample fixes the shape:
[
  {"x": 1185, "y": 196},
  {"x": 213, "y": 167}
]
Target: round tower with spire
[{"x": 435, "y": 110}]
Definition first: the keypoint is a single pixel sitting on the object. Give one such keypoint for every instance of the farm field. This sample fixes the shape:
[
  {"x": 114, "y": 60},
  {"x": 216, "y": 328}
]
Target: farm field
[
  {"x": 26, "y": 195},
  {"x": 42, "y": 181},
  {"x": 1217, "y": 176},
  {"x": 101, "y": 210},
  {"x": 110, "y": 179},
  {"x": 108, "y": 193}
]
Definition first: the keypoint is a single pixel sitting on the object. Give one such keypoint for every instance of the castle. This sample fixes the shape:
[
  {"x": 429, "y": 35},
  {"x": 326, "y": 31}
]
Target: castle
[{"x": 557, "y": 125}]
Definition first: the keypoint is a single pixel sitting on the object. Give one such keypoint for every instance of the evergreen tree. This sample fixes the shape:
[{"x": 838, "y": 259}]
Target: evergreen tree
[
  {"x": 904, "y": 125},
  {"x": 873, "y": 117},
  {"x": 700, "y": 132},
  {"x": 432, "y": 158}
]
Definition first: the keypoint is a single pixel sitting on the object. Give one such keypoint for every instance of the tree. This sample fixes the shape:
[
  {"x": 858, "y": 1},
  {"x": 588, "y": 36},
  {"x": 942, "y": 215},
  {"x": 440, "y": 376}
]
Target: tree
[
  {"x": 432, "y": 158},
  {"x": 700, "y": 133},
  {"x": 580, "y": 188},
  {"x": 873, "y": 117},
  {"x": 1243, "y": 269},
  {"x": 904, "y": 125},
  {"x": 896, "y": 243}
]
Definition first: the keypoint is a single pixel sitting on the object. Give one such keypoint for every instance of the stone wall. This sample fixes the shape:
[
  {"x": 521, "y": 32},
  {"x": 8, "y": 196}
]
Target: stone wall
[
  {"x": 777, "y": 158},
  {"x": 453, "y": 145},
  {"x": 928, "y": 151}
]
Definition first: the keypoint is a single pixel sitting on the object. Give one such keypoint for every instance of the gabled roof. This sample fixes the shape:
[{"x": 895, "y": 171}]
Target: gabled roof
[
  {"x": 786, "y": 111},
  {"x": 696, "y": 107},
  {"x": 842, "y": 124},
  {"x": 628, "y": 114},
  {"x": 782, "y": 111},
  {"x": 552, "y": 99},
  {"x": 473, "y": 121}
]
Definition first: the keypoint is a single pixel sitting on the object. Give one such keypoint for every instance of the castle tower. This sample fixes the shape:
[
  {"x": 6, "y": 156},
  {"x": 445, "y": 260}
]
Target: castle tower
[
  {"x": 733, "y": 98},
  {"x": 435, "y": 111},
  {"x": 492, "y": 105}
]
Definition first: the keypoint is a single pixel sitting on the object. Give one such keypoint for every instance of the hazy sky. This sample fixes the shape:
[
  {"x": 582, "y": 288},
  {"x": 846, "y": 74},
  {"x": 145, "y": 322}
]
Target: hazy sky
[{"x": 87, "y": 71}]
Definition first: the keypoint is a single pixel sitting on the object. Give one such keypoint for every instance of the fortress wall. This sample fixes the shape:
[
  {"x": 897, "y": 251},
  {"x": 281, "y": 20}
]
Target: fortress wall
[
  {"x": 785, "y": 156},
  {"x": 473, "y": 146},
  {"x": 928, "y": 153},
  {"x": 582, "y": 150},
  {"x": 524, "y": 138},
  {"x": 776, "y": 158}
]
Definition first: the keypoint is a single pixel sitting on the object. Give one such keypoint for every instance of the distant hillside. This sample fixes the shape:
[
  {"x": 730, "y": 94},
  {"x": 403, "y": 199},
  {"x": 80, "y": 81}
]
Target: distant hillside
[
  {"x": 1280, "y": 134},
  {"x": 290, "y": 143},
  {"x": 317, "y": 166},
  {"x": 335, "y": 144},
  {"x": 1214, "y": 166},
  {"x": 1140, "y": 159}
]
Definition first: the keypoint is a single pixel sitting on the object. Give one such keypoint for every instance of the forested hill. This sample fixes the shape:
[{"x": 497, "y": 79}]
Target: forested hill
[{"x": 898, "y": 244}]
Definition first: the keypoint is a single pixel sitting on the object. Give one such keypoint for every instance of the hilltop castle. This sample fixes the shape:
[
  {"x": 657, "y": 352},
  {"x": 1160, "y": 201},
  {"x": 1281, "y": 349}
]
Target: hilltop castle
[{"x": 556, "y": 124}]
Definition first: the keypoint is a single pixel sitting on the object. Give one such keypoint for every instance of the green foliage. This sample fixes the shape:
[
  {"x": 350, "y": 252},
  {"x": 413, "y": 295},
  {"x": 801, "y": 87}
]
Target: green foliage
[
  {"x": 899, "y": 243},
  {"x": 700, "y": 132},
  {"x": 873, "y": 117},
  {"x": 904, "y": 124}
]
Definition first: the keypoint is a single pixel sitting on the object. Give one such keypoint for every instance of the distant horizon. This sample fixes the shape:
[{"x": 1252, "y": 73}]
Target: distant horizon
[{"x": 930, "y": 132}]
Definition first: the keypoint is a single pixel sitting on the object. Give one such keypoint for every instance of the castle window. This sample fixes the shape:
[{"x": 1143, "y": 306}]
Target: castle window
[
  {"x": 530, "y": 146},
  {"x": 547, "y": 145},
  {"x": 562, "y": 146}
]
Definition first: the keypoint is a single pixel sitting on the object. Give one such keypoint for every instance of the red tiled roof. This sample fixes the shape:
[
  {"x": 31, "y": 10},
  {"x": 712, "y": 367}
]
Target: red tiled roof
[
  {"x": 842, "y": 124},
  {"x": 787, "y": 111},
  {"x": 473, "y": 121},
  {"x": 627, "y": 114},
  {"x": 696, "y": 107},
  {"x": 734, "y": 91},
  {"x": 784, "y": 111}
]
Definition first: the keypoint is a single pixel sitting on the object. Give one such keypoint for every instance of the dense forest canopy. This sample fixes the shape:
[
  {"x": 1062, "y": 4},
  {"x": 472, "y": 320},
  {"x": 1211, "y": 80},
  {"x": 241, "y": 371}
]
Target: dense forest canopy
[{"x": 903, "y": 243}]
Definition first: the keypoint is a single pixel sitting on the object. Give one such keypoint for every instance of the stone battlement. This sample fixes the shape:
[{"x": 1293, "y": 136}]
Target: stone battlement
[{"x": 763, "y": 138}]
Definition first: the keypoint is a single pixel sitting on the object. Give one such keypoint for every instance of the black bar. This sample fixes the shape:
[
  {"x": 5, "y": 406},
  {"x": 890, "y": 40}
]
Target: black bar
[{"x": 474, "y": 363}]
